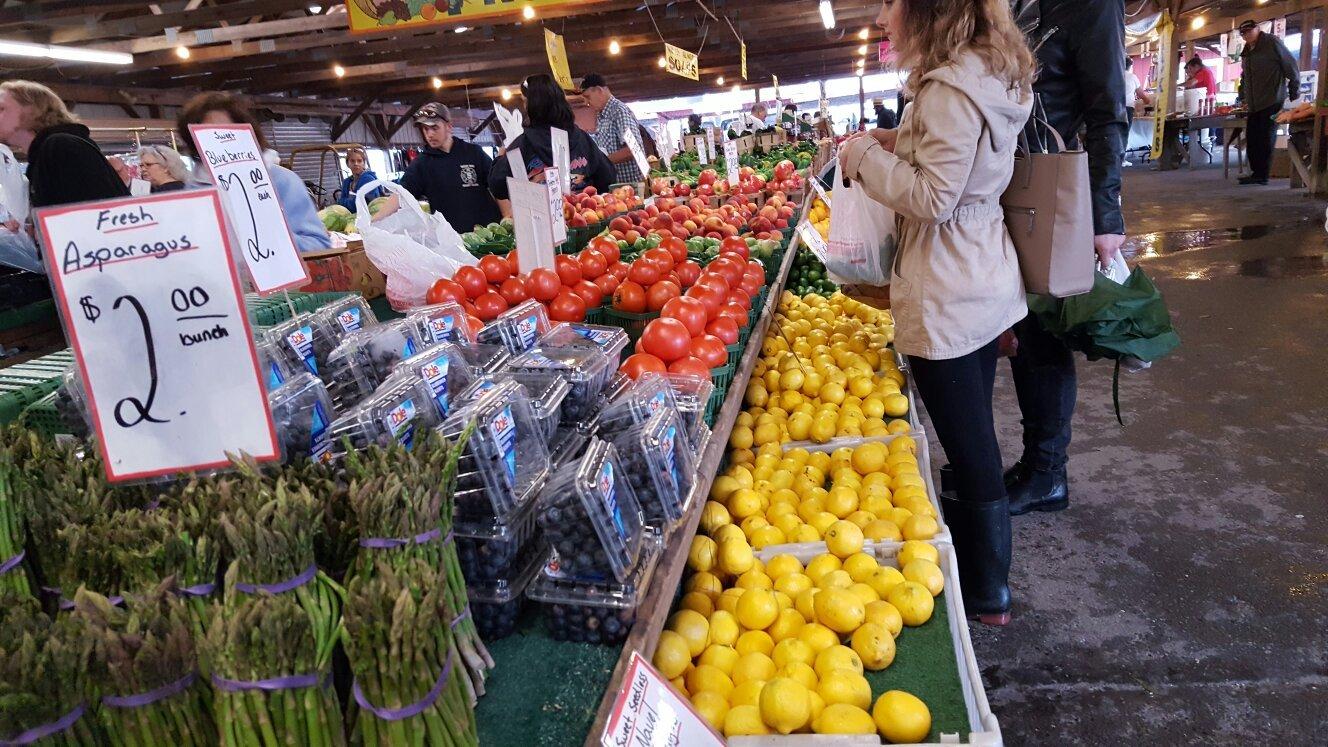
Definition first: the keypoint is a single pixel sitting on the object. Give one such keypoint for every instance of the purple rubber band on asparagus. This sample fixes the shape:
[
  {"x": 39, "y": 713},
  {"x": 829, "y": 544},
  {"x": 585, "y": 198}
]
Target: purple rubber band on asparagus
[
  {"x": 457, "y": 620},
  {"x": 197, "y": 590},
  {"x": 151, "y": 696},
  {"x": 290, "y": 682},
  {"x": 414, "y": 709},
  {"x": 384, "y": 543},
  {"x": 68, "y": 604},
  {"x": 45, "y": 730},
  {"x": 282, "y": 586},
  {"x": 12, "y": 563}
]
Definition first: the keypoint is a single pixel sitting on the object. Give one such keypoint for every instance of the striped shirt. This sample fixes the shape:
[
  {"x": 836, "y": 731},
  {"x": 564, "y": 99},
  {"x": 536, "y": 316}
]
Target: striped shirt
[{"x": 610, "y": 124}]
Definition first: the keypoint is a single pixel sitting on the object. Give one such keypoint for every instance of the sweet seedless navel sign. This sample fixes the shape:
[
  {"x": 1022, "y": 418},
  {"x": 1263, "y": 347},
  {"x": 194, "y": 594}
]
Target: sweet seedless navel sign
[
  {"x": 649, "y": 713},
  {"x": 152, "y": 306}
]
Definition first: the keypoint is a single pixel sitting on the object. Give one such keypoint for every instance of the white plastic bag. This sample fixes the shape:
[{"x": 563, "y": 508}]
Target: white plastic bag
[
  {"x": 861, "y": 248},
  {"x": 13, "y": 186},
  {"x": 411, "y": 247}
]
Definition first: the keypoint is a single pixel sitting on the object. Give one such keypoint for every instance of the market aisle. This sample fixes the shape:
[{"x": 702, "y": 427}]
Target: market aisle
[{"x": 1183, "y": 597}]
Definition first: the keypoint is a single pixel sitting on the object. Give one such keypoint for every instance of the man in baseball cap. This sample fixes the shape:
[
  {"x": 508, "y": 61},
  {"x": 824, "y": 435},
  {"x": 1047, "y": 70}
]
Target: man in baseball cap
[
  {"x": 1268, "y": 75},
  {"x": 452, "y": 174},
  {"x": 613, "y": 120}
]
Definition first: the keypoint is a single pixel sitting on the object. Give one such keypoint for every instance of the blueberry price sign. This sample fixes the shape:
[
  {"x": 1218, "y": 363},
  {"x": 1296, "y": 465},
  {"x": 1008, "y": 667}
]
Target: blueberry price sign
[
  {"x": 152, "y": 306},
  {"x": 648, "y": 713},
  {"x": 232, "y": 156}
]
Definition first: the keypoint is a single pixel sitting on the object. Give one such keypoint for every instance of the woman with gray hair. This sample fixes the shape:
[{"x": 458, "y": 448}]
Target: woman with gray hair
[{"x": 162, "y": 167}]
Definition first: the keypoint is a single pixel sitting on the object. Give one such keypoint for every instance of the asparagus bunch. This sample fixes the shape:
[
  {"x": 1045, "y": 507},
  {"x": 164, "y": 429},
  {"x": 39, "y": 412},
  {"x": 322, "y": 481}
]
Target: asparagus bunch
[
  {"x": 335, "y": 546},
  {"x": 13, "y": 575},
  {"x": 410, "y": 685},
  {"x": 145, "y": 665},
  {"x": 270, "y": 639},
  {"x": 44, "y": 682}
]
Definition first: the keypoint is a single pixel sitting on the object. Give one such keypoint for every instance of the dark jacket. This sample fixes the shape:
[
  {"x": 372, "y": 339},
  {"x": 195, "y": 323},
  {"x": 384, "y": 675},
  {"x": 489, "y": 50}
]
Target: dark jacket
[
  {"x": 885, "y": 119},
  {"x": 1081, "y": 84},
  {"x": 456, "y": 184},
  {"x": 65, "y": 165},
  {"x": 590, "y": 167},
  {"x": 1267, "y": 73},
  {"x": 350, "y": 186}
]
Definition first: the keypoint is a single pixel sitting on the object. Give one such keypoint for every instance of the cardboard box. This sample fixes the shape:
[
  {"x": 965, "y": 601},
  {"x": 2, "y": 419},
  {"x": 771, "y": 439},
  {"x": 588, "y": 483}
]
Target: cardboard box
[
  {"x": 746, "y": 144},
  {"x": 767, "y": 140},
  {"x": 347, "y": 269},
  {"x": 693, "y": 143}
]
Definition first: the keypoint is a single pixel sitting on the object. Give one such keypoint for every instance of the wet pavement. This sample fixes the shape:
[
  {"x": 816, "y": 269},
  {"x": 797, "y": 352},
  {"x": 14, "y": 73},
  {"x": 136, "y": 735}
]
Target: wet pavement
[{"x": 1183, "y": 596}]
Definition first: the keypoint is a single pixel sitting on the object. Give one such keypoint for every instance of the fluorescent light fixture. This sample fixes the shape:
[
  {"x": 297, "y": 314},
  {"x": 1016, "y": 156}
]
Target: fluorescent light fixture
[
  {"x": 862, "y": 50},
  {"x": 339, "y": 71},
  {"x": 719, "y": 81},
  {"x": 315, "y": 9},
  {"x": 864, "y": 33},
  {"x": 182, "y": 52},
  {"x": 827, "y": 14},
  {"x": 437, "y": 83},
  {"x": 65, "y": 54},
  {"x": 528, "y": 12},
  {"x": 614, "y": 47},
  {"x": 1198, "y": 22}
]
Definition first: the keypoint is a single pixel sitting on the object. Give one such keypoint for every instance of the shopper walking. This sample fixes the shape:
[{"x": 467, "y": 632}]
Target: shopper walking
[
  {"x": 64, "y": 164},
  {"x": 357, "y": 161},
  {"x": 613, "y": 123},
  {"x": 1268, "y": 76},
  {"x": 1080, "y": 83},
  {"x": 955, "y": 285},
  {"x": 162, "y": 167}
]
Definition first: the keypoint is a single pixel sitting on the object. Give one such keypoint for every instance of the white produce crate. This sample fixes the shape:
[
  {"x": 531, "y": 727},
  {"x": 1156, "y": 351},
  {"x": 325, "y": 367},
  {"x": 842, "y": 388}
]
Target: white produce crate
[
  {"x": 924, "y": 466},
  {"x": 984, "y": 730}
]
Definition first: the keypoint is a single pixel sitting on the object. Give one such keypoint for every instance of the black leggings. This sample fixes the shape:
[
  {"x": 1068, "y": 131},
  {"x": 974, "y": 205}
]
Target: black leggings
[{"x": 957, "y": 393}]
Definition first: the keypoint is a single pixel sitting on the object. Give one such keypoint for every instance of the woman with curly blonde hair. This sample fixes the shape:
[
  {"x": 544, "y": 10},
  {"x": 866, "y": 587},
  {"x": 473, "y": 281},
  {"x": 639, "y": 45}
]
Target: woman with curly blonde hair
[{"x": 955, "y": 284}]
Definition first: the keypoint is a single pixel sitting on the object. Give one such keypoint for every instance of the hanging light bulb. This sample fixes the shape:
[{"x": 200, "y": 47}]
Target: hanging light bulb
[
  {"x": 339, "y": 71},
  {"x": 719, "y": 81},
  {"x": 863, "y": 34},
  {"x": 182, "y": 52},
  {"x": 862, "y": 50},
  {"x": 507, "y": 94},
  {"x": 437, "y": 83},
  {"x": 614, "y": 47},
  {"x": 528, "y": 13},
  {"x": 663, "y": 62}
]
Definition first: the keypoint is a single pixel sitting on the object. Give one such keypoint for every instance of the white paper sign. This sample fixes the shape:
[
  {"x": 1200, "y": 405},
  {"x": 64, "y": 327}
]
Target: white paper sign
[
  {"x": 153, "y": 309},
  {"x": 233, "y": 158},
  {"x": 140, "y": 187},
  {"x": 731, "y": 161},
  {"x": 531, "y": 223},
  {"x": 633, "y": 140},
  {"x": 703, "y": 154},
  {"x": 517, "y": 164},
  {"x": 562, "y": 157},
  {"x": 812, "y": 238},
  {"x": 664, "y": 142},
  {"x": 648, "y": 712},
  {"x": 710, "y": 142},
  {"x": 820, "y": 191},
  {"x": 557, "y": 221}
]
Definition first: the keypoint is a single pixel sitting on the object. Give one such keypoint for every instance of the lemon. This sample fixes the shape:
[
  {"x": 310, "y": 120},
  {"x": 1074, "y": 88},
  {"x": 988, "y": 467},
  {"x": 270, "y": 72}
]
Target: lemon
[
  {"x": 844, "y": 538},
  {"x": 899, "y": 426},
  {"x": 741, "y": 438},
  {"x": 913, "y": 601},
  {"x": 754, "y": 642},
  {"x": 754, "y": 579},
  {"x": 680, "y": 684},
  {"x": 874, "y": 408},
  {"x": 709, "y": 678},
  {"x": 817, "y": 637},
  {"x": 712, "y": 706},
  {"x": 698, "y": 602},
  {"x": 810, "y": 508},
  {"x": 706, "y": 583},
  {"x": 793, "y": 584},
  {"x": 901, "y": 717},
  {"x": 919, "y": 527},
  {"x": 792, "y": 650},
  {"x": 926, "y": 573},
  {"x": 767, "y": 536},
  {"x": 744, "y": 502},
  {"x": 757, "y": 608},
  {"x": 750, "y": 524},
  {"x": 865, "y": 593},
  {"x": 884, "y": 614},
  {"x": 839, "y": 610},
  {"x": 870, "y": 457},
  {"x": 821, "y": 565},
  {"x": 918, "y": 504},
  {"x": 753, "y": 666},
  {"x": 844, "y": 685},
  {"x": 701, "y": 555},
  {"x": 823, "y": 428},
  {"x": 861, "y": 518},
  {"x": 898, "y": 516},
  {"x": 748, "y": 693},
  {"x": 860, "y": 386},
  {"x": 714, "y": 515},
  {"x": 823, "y": 521},
  {"x": 728, "y": 601},
  {"x": 672, "y": 654},
  {"x": 860, "y": 566},
  {"x": 782, "y": 565},
  {"x": 884, "y": 580},
  {"x": 719, "y": 656},
  {"x": 693, "y": 627},
  {"x": 836, "y": 579},
  {"x": 744, "y": 720},
  {"x": 896, "y": 405},
  {"x": 882, "y": 530},
  {"x": 903, "y": 443},
  {"x": 875, "y": 644},
  {"x": 735, "y": 557},
  {"x": 800, "y": 425},
  {"x": 837, "y": 657},
  {"x": 784, "y": 704},
  {"x": 723, "y": 628},
  {"x": 841, "y": 501},
  {"x": 806, "y": 533},
  {"x": 786, "y": 625},
  {"x": 842, "y": 718},
  {"x": 914, "y": 550},
  {"x": 799, "y": 672},
  {"x": 805, "y": 603}
]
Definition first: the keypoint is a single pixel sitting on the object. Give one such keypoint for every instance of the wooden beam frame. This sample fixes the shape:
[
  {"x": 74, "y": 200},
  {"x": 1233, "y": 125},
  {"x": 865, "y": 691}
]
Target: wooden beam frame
[{"x": 344, "y": 123}]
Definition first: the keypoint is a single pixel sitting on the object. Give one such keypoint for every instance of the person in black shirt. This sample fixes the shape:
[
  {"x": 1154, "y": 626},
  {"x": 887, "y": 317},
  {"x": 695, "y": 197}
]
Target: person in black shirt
[
  {"x": 885, "y": 119},
  {"x": 452, "y": 174},
  {"x": 546, "y": 107}
]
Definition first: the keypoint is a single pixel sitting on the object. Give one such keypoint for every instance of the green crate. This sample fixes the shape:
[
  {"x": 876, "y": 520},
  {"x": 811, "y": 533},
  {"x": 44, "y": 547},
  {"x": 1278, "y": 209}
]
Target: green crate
[
  {"x": 632, "y": 323},
  {"x": 723, "y": 376},
  {"x": 735, "y": 350},
  {"x": 596, "y": 315},
  {"x": 14, "y": 399},
  {"x": 713, "y": 405},
  {"x": 42, "y": 417}
]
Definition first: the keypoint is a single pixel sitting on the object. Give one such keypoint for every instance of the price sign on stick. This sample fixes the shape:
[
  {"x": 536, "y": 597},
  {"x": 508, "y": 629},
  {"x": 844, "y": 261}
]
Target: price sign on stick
[
  {"x": 531, "y": 223},
  {"x": 812, "y": 238},
  {"x": 731, "y": 161},
  {"x": 562, "y": 158},
  {"x": 557, "y": 221},
  {"x": 233, "y": 158},
  {"x": 710, "y": 142},
  {"x": 648, "y": 712},
  {"x": 633, "y": 140},
  {"x": 152, "y": 306}
]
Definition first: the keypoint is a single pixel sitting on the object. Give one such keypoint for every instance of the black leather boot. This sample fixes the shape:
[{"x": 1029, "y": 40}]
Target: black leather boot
[
  {"x": 947, "y": 479},
  {"x": 1015, "y": 473},
  {"x": 982, "y": 548},
  {"x": 1039, "y": 490}
]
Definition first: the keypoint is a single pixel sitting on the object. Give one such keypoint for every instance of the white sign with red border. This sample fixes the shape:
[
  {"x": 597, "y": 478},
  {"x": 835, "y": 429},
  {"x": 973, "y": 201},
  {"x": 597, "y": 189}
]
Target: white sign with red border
[
  {"x": 232, "y": 157},
  {"x": 153, "y": 309},
  {"x": 650, "y": 713}
]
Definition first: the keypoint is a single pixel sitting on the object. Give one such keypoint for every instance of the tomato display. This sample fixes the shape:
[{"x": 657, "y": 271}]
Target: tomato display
[
  {"x": 569, "y": 271},
  {"x": 710, "y": 350},
  {"x": 543, "y": 284},
  {"x": 513, "y": 262},
  {"x": 725, "y": 328},
  {"x": 593, "y": 264},
  {"x": 589, "y": 292},
  {"x": 735, "y": 244},
  {"x": 630, "y": 297},
  {"x": 607, "y": 284},
  {"x": 444, "y": 290},
  {"x": 676, "y": 247},
  {"x": 689, "y": 311},
  {"x": 489, "y": 305},
  {"x": 661, "y": 257},
  {"x": 660, "y": 293},
  {"x": 736, "y": 313},
  {"x": 567, "y": 307},
  {"x": 688, "y": 272},
  {"x": 495, "y": 269},
  {"x": 713, "y": 298},
  {"x": 639, "y": 363},
  {"x": 606, "y": 246},
  {"x": 666, "y": 339},
  {"x": 644, "y": 272},
  {"x": 740, "y": 298},
  {"x": 619, "y": 270},
  {"x": 690, "y": 366},
  {"x": 472, "y": 281},
  {"x": 731, "y": 269},
  {"x": 513, "y": 290}
]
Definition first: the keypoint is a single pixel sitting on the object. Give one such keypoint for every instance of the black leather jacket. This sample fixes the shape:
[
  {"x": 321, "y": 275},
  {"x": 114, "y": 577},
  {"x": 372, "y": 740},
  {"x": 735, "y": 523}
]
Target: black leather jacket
[{"x": 1080, "y": 47}]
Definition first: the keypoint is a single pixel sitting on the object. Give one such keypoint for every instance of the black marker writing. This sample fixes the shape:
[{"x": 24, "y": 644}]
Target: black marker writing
[{"x": 144, "y": 409}]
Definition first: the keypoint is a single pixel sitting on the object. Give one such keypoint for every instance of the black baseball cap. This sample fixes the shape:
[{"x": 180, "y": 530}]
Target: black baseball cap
[
  {"x": 593, "y": 80},
  {"x": 1246, "y": 25},
  {"x": 432, "y": 113}
]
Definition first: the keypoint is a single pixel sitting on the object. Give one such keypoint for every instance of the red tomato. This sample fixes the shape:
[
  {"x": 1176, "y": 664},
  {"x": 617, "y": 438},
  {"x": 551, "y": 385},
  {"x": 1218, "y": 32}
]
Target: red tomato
[
  {"x": 689, "y": 311},
  {"x": 666, "y": 339},
  {"x": 513, "y": 262},
  {"x": 589, "y": 292},
  {"x": 735, "y": 244},
  {"x": 710, "y": 350},
  {"x": 607, "y": 284},
  {"x": 592, "y": 264},
  {"x": 688, "y": 272},
  {"x": 736, "y": 313},
  {"x": 513, "y": 290},
  {"x": 640, "y": 363},
  {"x": 630, "y": 297},
  {"x": 741, "y": 299},
  {"x": 712, "y": 297},
  {"x": 472, "y": 281},
  {"x": 645, "y": 272},
  {"x": 607, "y": 246},
  {"x": 619, "y": 270},
  {"x": 690, "y": 366},
  {"x": 569, "y": 271},
  {"x": 661, "y": 257},
  {"x": 729, "y": 267},
  {"x": 567, "y": 307},
  {"x": 543, "y": 284},
  {"x": 490, "y": 305},
  {"x": 660, "y": 293},
  {"x": 676, "y": 247},
  {"x": 752, "y": 286},
  {"x": 495, "y": 269},
  {"x": 714, "y": 280},
  {"x": 445, "y": 290},
  {"x": 476, "y": 324},
  {"x": 725, "y": 329}
]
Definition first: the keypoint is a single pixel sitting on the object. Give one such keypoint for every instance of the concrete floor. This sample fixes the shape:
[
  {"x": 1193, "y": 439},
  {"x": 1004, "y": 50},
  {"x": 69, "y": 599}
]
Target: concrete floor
[{"x": 1183, "y": 596}]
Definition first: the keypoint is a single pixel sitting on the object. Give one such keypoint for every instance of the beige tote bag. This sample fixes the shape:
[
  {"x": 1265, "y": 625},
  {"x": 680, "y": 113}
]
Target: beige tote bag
[{"x": 1049, "y": 213}]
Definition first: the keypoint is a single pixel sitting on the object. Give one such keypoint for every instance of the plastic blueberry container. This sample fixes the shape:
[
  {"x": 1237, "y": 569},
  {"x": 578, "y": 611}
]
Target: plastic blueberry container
[
  {"x": 547, "y": 392},
  {"x": 590, "y": 515},
  {"x": 365, "y": 358},
  {"x": 612, "y": 340},
  {"x": 302, "y": 412},
  {"x": 273, "y": 365},
  {"x": 444, "y": 368},
  {"x": 443, "y": 322},
  {"x": 485, "y": 359},
  {"x": 645, "y": 397},
  {"x": 305, "y": 341},
  {"x": 587, "y": 369},
  {"x": 656, "y": 457},
  {"x": 518, "y": 328},
  {"x": 594, "y": 611},
  {"x": 394, "y": 413},
  {"x": 505, "y": 460},
  {"x": 569, "y": 444},
  {"x": 691, "y": 393},
  {"x": 348, "y": 314},
  {"x": 496, "y": 605},
  {"x": 71, "y": 403},
  {"x": 496, "y": 549}
]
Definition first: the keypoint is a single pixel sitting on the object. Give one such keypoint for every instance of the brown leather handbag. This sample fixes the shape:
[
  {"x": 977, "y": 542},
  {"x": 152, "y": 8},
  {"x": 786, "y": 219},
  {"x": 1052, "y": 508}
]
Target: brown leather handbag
[{"x": 1049, "y": 214}]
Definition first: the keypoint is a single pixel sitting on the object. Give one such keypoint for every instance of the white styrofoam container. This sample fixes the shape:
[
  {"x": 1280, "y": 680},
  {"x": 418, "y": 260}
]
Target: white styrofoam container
[
  {"x": 984, "y": 730},
  {"x": 924, "y": 467}
]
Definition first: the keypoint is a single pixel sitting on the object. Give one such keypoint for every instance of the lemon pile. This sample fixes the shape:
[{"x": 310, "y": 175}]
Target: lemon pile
[
  {"x": 782, "y": 647},
  {"x": 819, "y": 217},
  {"x": 824, "y": 372}
]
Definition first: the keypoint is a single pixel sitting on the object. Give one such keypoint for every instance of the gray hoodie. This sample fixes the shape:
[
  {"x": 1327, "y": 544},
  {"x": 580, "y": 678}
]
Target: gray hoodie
[{"x": 955, "y": 285}]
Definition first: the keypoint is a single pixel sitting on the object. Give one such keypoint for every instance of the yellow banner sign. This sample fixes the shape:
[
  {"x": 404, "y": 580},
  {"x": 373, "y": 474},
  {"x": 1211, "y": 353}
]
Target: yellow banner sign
[
  {"x": 681, "y": 62},
  {"x": 553, "y": 45},
  {"x": 744, "y": 59},
  {"x": 393, "y": 15},
  {"x": 1166, "y": 83}
]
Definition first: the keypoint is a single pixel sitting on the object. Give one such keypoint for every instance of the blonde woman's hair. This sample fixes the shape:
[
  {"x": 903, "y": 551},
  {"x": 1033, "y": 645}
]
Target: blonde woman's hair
[
  {"x": 936, "y": 32},
  {"x": 44, "y": 107},
  {"x": 169, "y": 158}
]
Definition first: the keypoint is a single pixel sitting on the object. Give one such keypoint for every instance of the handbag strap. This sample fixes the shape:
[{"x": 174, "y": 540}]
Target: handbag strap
[{"x": 1055, "y": 135}]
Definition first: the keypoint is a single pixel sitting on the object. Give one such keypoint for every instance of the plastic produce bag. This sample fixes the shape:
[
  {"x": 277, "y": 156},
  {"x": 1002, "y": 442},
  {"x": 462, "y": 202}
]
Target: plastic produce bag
[
  {"x": 861, "y": 248},
  {"x": 18, "y": 250},
  {"x": 411, "y": 247}
]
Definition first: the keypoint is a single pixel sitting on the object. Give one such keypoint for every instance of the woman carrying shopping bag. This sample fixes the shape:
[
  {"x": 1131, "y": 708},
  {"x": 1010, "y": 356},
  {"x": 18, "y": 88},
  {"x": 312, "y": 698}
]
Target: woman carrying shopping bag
[{"x": 955, "y": 284}]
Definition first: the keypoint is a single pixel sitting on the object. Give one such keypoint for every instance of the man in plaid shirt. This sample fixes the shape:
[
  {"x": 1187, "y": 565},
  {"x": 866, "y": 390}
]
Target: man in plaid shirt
[{"x": 612, "y": 121}]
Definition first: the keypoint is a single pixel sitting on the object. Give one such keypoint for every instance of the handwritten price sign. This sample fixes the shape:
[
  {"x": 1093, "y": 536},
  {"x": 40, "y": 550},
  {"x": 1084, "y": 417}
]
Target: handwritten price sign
[
  {"x": 152, "y": 307},
  {"x": 681, "y": 62},
  {"x": 233, "y": 158},
  {"x": 650, "y": 713}
]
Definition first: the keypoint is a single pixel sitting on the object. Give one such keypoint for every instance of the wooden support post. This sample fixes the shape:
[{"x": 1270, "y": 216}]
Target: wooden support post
[
  {"x": 404, "y": 118},
  {"x": 345, "y": 122}
]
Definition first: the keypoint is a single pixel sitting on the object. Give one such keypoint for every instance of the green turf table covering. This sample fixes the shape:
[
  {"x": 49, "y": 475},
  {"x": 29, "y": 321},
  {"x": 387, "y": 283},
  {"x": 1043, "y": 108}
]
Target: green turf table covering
[{"x": 925, "y": 666}]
